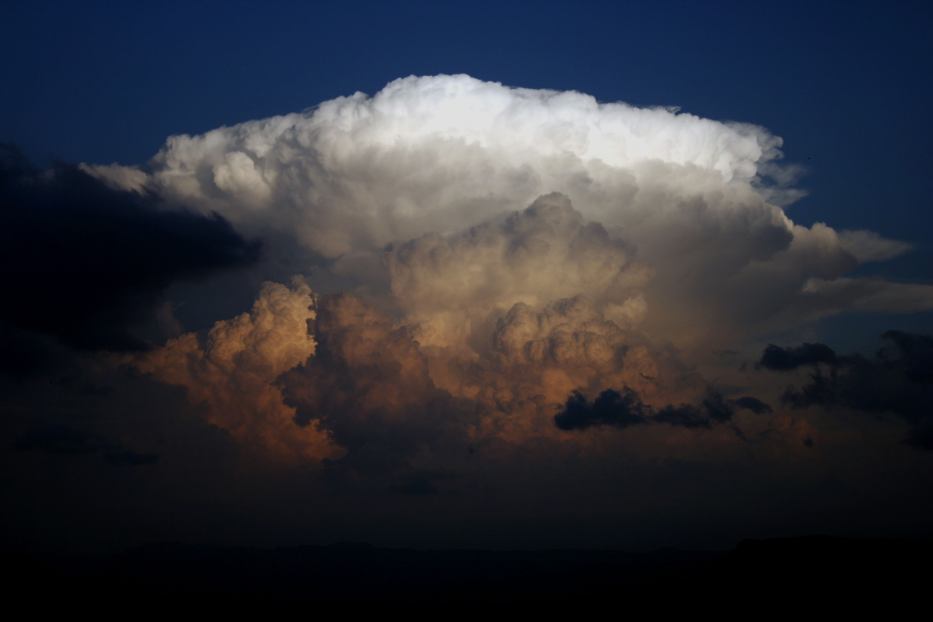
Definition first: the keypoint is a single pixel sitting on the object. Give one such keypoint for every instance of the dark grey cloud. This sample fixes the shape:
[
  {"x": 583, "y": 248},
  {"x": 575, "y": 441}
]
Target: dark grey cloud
[
  {"x": 623, "y": 409},
  {"x": 898, "y": 379},
  {"x": 620, "y": 409},
  {"x": 86, "y": 263}
]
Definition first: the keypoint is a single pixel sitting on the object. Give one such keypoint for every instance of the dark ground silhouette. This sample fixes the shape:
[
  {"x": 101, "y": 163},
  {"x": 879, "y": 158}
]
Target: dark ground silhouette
[{"x": 798, "y": 569}]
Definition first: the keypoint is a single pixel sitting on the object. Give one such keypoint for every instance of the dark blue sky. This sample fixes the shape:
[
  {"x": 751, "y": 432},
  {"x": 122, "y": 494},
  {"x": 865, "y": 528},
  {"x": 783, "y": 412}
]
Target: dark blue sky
[{"x": 847, "y": 84}]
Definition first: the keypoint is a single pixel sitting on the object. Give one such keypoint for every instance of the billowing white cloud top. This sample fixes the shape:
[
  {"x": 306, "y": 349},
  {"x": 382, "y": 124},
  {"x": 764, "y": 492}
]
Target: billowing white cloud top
[
  {"x": 434, "y": 166},
  {"x": 437, "y": 153}
]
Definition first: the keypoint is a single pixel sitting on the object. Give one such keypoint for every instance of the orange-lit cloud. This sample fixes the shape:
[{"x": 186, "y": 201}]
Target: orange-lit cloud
[{"x": 231, "y": 375}]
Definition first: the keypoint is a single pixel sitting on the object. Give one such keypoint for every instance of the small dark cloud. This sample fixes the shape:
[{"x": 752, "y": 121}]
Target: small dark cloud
[
  {"x": 86, "y": 263},
  {"x": 622, "y": 409},
  {"x": 777, "y": 358},
  {"x": 619, "y": 409}
]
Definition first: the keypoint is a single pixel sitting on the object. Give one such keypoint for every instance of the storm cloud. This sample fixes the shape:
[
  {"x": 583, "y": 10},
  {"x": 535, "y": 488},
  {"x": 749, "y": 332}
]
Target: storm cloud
[
  {"x": 897, "y": 380},
  {"x": 86, "y": 263},
  {"x": 697, "y": 204},
  {"x": 469, "y": 296},
  {"x": 505, "y": 248},
  {"x": 622, "y": 409}
]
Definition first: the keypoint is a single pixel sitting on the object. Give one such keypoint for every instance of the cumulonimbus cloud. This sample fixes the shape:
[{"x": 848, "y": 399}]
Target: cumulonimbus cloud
[
  {"x": 519, "y": 243},
  {"x": 694, "y": 200}
]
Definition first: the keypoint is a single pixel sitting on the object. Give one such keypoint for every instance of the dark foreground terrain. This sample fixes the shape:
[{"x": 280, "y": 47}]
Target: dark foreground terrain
[{"x": 771, "y": 571}]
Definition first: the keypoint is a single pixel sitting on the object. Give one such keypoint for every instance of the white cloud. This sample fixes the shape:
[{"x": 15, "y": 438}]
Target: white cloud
[{"x": 433, "y": 165}]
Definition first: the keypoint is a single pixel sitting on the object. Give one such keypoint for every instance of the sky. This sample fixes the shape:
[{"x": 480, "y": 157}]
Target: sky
[{"x": 599, "y": 274}]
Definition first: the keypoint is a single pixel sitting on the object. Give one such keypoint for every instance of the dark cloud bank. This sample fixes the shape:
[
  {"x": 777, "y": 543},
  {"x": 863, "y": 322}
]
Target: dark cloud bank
[
  {"x": 625, "y": 408},
  {"x": 898, "y": 379},
  {"x": 85, "y": 263}
]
